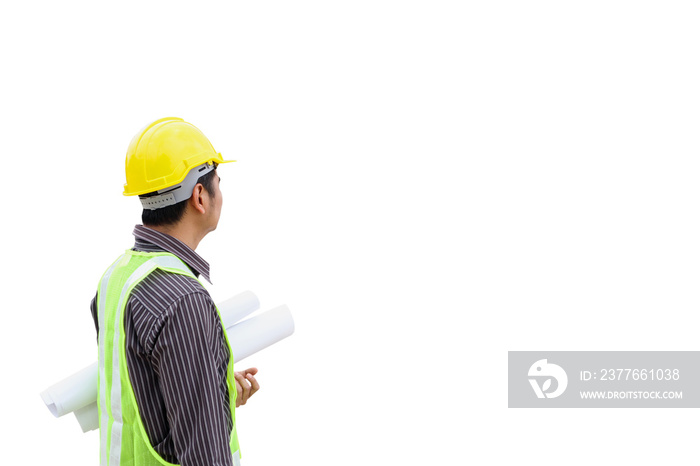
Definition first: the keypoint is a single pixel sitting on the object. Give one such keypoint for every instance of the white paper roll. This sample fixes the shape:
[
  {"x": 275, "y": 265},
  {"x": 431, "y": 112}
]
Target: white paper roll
[
  {"x": 80, "y": 389},
  {"x": 246, "y": 338},
  {"x": 259, "y": 332},
  {"x": 87, "y": 417},
  {"x": 73, "y": 392},
  {"x": 236, "y": 308}
]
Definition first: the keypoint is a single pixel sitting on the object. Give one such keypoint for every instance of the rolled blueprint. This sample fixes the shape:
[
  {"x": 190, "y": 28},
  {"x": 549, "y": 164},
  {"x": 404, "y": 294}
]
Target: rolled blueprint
[
  {"x": 78, "y": 390},
  {"x": 88, "y": 417},
  {"x": 246, "y": 338},
  {"x": 72, "y": 393},
  {"x": 259, "y": 332},
  {"x": 236, "y": 308}
]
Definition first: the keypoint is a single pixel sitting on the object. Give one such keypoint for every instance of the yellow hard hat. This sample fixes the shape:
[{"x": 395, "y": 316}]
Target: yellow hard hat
[{"x": 162, "y": 154}]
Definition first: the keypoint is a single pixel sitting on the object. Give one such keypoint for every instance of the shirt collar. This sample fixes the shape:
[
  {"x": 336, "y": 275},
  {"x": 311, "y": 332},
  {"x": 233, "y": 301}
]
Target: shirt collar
[{"x": 148, "y": 240}]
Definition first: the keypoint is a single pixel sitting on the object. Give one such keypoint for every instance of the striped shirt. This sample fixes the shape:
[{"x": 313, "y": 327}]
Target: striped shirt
[{"x": 177, "y": 359}]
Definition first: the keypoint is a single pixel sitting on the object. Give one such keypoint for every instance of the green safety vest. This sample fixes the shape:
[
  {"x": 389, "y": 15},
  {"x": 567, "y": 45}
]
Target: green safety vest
[{"x": 123, "y": 438}]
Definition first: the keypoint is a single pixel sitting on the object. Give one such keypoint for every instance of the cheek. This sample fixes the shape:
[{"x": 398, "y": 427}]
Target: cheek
[{"x": 218, "y": 199}]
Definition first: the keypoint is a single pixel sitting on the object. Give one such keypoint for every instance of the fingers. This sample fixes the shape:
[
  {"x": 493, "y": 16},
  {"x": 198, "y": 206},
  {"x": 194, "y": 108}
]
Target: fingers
[
  {"x": 246, "y": 385},
  {"x": 244, "y": 390},
  {"x": 254, "y": 385}
]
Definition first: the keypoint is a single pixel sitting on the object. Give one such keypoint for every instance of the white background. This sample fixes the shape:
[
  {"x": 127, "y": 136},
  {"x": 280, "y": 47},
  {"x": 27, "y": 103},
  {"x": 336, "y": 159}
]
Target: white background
[{"x": 427, "y": 185}]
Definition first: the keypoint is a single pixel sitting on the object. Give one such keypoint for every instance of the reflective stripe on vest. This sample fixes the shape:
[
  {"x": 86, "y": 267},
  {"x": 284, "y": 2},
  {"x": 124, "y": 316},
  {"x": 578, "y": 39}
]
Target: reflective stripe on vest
[{"x": 123, "y": 439}]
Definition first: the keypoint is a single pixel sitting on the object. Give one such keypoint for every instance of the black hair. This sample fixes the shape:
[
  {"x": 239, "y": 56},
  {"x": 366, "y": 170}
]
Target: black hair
[{"x": 172, "y": 214}]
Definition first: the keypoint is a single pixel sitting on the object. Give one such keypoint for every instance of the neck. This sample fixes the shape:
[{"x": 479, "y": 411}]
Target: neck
[{"x": 180, "y": 231}]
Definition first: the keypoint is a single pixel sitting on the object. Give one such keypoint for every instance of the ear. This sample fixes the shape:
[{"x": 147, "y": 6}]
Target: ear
[{"x": 198, "y": 200}]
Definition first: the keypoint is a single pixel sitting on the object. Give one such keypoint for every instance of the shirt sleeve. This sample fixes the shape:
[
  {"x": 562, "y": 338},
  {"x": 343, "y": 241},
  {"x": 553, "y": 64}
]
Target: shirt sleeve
[
  {"x": 93, "y": 310},
  {"x": 187, "y": 356}
]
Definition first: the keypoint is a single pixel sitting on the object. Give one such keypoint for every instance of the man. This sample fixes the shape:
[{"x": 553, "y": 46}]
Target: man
[{"x": 167, "y": 391}]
